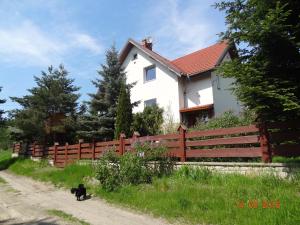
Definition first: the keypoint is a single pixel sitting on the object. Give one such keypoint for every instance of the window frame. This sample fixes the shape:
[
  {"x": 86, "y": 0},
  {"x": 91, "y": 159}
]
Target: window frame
[
  {"x": 155, "y": 99},
  {"x": 145, "y": 73}
]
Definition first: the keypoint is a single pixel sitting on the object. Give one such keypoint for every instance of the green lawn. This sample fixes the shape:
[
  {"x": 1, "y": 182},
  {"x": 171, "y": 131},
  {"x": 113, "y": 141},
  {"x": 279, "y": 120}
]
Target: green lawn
[{"x": 194, "y": 197}]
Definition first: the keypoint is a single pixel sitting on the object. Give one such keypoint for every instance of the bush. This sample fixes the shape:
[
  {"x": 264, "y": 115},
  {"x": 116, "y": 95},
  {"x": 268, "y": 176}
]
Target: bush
[
  {"x": 133, "y": 168},
  {"x": 149, "y": 121},
  {"x": 108, "y": 172},
  {"x": 227, "y": 119}
]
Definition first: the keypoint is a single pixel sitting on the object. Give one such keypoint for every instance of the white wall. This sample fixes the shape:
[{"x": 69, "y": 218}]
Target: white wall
[
  {"x": 198, "y": 91},
  {"x": 164, "y": 88},
  {"x": 224, "y": 99}
]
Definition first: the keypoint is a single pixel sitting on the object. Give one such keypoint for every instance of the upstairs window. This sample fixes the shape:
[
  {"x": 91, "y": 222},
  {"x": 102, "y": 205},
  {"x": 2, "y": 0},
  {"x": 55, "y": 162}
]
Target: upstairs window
[
  {"x": 150, "y": 102},
  {"x": 150, "y": 73}
]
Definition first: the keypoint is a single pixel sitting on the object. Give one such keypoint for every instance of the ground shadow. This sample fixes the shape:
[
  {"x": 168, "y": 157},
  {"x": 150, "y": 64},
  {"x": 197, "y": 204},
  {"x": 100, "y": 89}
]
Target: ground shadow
[
  {"x": 6, "y": 163},
  {"x": 87, "y": 197}
]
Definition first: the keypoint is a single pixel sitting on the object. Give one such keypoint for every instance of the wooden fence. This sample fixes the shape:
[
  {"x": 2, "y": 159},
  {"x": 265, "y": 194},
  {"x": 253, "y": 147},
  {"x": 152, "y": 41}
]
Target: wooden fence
[{"x": 265, "y": 141}]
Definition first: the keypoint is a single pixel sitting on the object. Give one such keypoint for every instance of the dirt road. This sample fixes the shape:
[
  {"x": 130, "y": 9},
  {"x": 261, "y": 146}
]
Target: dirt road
[{"x": 25, "y": 201}]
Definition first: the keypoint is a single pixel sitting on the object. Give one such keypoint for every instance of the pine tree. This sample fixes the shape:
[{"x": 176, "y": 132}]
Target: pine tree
[
  {"x": 49, "y": 112},
  {"x": 100, "y": 121},
  {"x": 2, "y": 101},
  {"x": 124, "y": 113},
  {"x": 268, "y": 67}
]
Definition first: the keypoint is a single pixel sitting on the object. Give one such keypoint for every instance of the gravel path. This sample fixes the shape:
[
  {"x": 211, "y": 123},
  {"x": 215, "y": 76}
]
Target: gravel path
[{"x": 25, "y": 201}]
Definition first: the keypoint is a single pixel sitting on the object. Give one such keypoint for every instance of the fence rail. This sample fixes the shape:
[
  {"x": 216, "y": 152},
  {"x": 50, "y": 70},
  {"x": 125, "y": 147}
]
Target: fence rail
[{"x": 264, "y": 140}]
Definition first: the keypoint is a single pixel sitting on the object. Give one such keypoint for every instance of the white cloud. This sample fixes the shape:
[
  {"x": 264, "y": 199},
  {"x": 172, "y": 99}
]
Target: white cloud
[
  {"x": 181, "y": 27},
  {"x": 29, "y": 44},
  {"x": 87, "y": 42}
]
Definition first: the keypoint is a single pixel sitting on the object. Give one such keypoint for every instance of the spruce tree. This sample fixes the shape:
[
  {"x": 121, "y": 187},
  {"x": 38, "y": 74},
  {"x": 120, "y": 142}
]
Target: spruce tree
[
  {"x": 2, "y": 101},
  {"x": 124, "y": 113},
  {"x": 49, "y": 112},
  {"x": 267, "y": 33},
  {"x": 99, "y": 123}
]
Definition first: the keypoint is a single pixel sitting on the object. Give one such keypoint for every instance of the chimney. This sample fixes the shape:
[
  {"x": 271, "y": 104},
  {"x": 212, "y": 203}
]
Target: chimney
[{"x": 147, "y": 43}]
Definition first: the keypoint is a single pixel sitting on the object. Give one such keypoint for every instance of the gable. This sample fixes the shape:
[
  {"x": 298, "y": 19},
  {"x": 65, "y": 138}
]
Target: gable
[{"x": 195, "y": 63}]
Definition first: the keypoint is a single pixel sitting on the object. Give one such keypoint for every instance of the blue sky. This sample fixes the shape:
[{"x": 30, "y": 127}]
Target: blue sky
[{"x": 37, "y": 33}]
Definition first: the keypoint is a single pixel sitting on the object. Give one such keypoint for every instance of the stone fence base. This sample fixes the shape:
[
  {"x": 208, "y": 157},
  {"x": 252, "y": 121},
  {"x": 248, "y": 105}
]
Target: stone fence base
[{"x": 282, "y": 170}]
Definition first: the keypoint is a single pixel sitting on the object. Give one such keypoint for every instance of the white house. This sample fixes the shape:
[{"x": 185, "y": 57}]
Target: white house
[{"x": 187, "y": 86}]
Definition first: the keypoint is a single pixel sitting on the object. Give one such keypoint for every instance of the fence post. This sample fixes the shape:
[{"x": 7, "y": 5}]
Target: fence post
[
  {"x": 79, "y": 148},
  {"x": 122, "y": 144},
  {"x": 55, "y": 152},
  {"x": 33, "y": 150},
  {"x": 182, "y": 145},
  {"x": 66, "y": 153},
  {"x": 265, "y": 143},
  {"x": 20, "y": 147},
  {"x": 94, "y": 149},
  {"x": 135, "y": 137}
]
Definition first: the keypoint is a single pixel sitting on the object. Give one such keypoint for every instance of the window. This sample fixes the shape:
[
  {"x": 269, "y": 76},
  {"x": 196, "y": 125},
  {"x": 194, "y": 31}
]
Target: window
[
  {"x": 134, "y": 57},
  {"x": 150, "y": 102},
  {"x": 150, "y": 73}
]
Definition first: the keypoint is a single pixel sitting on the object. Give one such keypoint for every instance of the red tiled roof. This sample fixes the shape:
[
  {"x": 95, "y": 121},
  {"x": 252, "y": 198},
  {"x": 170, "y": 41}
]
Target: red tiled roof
[
  {"x": 191, "y": 64},
  {"x": 202, "y": 60}
]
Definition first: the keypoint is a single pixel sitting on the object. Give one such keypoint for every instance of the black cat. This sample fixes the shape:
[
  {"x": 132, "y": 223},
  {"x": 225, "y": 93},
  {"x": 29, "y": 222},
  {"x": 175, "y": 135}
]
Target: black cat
[{"x": 80, "y": 191}]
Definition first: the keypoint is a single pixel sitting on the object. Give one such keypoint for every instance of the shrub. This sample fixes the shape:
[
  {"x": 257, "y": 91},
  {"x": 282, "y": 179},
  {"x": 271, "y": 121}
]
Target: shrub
[
  {"x": 149, "y": 121},
  {"x": 133, "y": 168},
  {"x": 227, "y": 119},
  {"x": 108, "y": 172}
]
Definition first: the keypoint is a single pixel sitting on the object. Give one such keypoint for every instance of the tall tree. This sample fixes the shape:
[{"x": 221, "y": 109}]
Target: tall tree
[
  {"x": 2, "y": 101},
  {"x": 49, "y": 111},
  {"x": 124, "y": 113},
  {"x": 268, "y": 67},
  {"x": 100, "y": 121}
]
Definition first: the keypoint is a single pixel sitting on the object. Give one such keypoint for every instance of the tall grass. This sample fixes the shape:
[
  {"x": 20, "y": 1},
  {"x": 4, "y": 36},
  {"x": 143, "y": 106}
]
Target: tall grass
[{"x": 202, "y": 197}]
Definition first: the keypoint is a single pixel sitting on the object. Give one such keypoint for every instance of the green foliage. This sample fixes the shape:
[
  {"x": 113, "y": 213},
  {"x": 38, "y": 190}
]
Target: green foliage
[
  {"x": 188, "y": 196},
  {"x": 5, "y": 159},
  {"x": 267, "y": 69},
  {"x": 148, "y": 122},
  {"x": 227, "y": 119},
  {"x": 99, "y": 123},
  {"x": 114, "y": 171},
  {"x": 197, "y": 174},
  {"x": 2, "y": 101},
  {"x": 209, "y": 197},
  {"x": 5, "y": 138},
  {"x": 54, "y": 95},
  {"x": 124, "y": 113},
  {"x": 108, "y": 171}
]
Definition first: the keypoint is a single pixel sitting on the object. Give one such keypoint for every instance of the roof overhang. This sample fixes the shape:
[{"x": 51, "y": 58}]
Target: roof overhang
[
  {"x": 131, "y": 43},
  {"x": 197, "y": 108}
]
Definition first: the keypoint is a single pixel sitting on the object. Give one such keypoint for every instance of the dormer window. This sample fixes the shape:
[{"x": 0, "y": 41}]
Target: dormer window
[{"x": 150, "y": 73}]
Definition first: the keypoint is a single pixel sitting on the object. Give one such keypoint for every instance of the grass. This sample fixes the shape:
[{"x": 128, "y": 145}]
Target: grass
[
  {"x": 66, "y": 217},
  {"x": 279, "y": 159},
  {"x": 189, "y": 196},
  {"x": 2, "y": 181}
]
